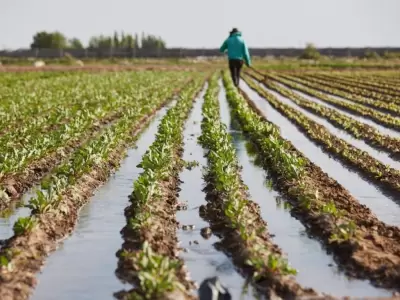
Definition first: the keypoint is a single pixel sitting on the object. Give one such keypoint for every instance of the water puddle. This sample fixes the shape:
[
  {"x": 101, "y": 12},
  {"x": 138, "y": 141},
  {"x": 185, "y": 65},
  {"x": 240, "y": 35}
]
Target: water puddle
[
  {"x": 202, "y": 259},
  {"x": 382, "y": 129},
  {"x": 315, "y": 268},
  {"x": 16, "y": 211},
  {"x": 385, "y": 209},
  {"x": 360, "y": 144},
  {"x": 83, "y": 267}
]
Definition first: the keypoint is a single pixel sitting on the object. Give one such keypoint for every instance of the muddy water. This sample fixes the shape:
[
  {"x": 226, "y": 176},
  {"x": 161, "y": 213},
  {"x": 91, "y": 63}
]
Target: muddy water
[
  {"x": 382, "y": 129},
  {"x": 367, "y": 194},
  {"x": 18, "y": 210},
  {"x": 360, "y": 144},
  {"x": 315, "y": 268},
  {"x": 202, "y": 259},
  {"x": 83, "y": 267}
]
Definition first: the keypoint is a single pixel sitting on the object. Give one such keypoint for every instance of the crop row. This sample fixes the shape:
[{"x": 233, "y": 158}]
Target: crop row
[
  {"x": 385, "y": 78},
  {"x": 336, "y": 88},
  {"x": 47, "y": 100},
  {"x": 359, "y": 160},
  {"x": 234, "y": 217},
  {"x": 378, "y": 117},
  {"x": 357, "y": 129},
  {"x": 55, "y": 207},
  {"x": 21, "y": 169},
  {"x": 370, "y": 85},
  {"x": 148, "y": 258},
  {"x": 343, "y": 225}
]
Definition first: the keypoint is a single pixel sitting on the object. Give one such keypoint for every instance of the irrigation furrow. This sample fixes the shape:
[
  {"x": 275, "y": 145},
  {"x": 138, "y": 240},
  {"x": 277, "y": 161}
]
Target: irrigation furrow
[
  {"x": 235, "y": 218},
  {"x": 330, "y": 88},
  {"x": 55, "y": 159},
  {"x": 378, "y": 117},
  {"x": 383, "y": 130},
  {"x": 380, "y": 174},
  {"x": 315, "y": 267},
  {"x": 381, "y": 204},
  {"x": 55, "y": 209},
  {"x": 353, "y": 127},
  {"x": 371, "y": 86},
  {"x": 360, "y": 242},
  {"x": 148, "y": 258},
  {"x": 15, "y": 183},
  {"x": 200, "y": 246},
  {"x": 356, "y": 91},
  {"x": 85, "y": 263}
]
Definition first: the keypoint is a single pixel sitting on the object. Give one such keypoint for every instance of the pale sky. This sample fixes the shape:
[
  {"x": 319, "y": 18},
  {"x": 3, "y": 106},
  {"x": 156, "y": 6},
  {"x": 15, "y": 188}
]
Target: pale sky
[{"x": 205, "y": 23}]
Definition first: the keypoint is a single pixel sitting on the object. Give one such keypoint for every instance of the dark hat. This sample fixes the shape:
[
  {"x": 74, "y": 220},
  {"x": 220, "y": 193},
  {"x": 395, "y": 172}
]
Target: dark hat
[{"x": 234, "y": 30}]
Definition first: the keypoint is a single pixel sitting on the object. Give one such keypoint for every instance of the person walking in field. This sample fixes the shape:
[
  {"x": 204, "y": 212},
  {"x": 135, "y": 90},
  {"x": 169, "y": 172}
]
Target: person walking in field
[{"x": 237, "y": 52}]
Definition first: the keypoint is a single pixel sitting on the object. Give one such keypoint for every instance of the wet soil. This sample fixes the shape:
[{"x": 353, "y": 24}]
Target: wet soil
[
  {"x": 159, "y": 231},
  {"x": 388, "y": 179},
  {"x": 380, "y": 203},
  {"x": 28, "y": 251},
  {"x": 96, "y": 237},
  {"x": 360, "y": 144},
  {"x": 327, "y": 115},
  {"x": 15, "y": 185},
  {"x": 363, "y": 257},
  {"x": 198, "y": 244},
  {"x": 315, "y": 267},
  {"x": 363, "y": 111},
  {"x": 268, "y": 284}
]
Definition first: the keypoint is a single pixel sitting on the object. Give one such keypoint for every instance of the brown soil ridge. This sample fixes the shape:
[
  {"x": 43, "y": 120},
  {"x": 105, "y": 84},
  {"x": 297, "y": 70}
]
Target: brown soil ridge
[
  {"x": 271, "y": 284},
  {"x": 370, "y": 135},
  {"x": 159, "y": 231},
  {"x": 32, "y": 248},
  {"x": 374, "y": 254},
  {"x": 15, "y": 185},
  {"x": 389, "y": 178}
]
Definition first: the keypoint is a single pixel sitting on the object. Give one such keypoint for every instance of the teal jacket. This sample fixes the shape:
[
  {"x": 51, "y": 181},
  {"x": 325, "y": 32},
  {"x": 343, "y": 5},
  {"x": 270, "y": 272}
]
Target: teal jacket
[{"x": 236, "y": 47}]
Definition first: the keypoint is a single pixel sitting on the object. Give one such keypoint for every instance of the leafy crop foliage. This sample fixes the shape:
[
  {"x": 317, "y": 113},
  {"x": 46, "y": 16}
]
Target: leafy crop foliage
[
  {"x": 156, "y": 273},
  {"x": 279, "y": 155},
  {"x": 223, "y": 173}
]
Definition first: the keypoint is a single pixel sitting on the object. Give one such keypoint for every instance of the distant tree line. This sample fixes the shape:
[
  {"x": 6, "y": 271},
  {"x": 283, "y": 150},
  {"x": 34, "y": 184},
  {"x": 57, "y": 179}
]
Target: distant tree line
[{"x": 57, "y": 40}]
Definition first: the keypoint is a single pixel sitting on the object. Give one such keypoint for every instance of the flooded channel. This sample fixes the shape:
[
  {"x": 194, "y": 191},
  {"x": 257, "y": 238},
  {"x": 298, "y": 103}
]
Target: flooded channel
[
  {"x": 316, "y": 269},
  {"x": 367, "y": 194},
  {"x": 384, "y": 130},
  {"x": 83, "y": 267},
  {"x": 202, "y": 259},
  {"x": 358, "y": 143}
]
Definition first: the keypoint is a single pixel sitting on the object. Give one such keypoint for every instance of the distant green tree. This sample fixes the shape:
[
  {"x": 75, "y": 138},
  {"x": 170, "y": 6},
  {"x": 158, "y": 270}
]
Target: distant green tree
[
  {"x": 100, "y": 41},
  {"x": 116, "y": 41},
  {"x": 151, "y": 42},
  {"x": 75, "y": 43},
  {"x": 310, "y": 52},
  {"x": 49, "y": 40},
  {"x": 137, "y": 41}
]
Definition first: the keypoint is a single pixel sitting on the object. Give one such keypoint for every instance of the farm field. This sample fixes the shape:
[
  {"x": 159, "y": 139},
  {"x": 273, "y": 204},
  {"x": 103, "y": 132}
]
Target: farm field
[{"x": 142, "y": 182}]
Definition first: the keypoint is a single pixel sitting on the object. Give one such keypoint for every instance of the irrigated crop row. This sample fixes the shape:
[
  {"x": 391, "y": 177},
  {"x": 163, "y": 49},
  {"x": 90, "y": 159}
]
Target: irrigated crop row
[
  {"x": 360, "y": 160},
  {"x": 357, "y": 129},
  {"x": 55, "y": 207},
  {"x": 370, "y": 99},
  {"x": 366, "y": 85},
  {"x": 39, "y": 152},
  {"x": 346, "y": 227},
  {"x": 378, "y": 117},
  {"x": 236, "y": 218},
  {"x": 148, "y": 258}
]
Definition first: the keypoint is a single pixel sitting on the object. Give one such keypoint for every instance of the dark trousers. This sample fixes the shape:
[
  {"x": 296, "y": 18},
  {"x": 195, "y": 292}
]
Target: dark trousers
[{"x": 235, "y": 65}]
